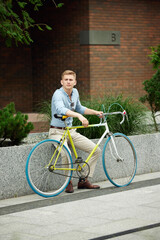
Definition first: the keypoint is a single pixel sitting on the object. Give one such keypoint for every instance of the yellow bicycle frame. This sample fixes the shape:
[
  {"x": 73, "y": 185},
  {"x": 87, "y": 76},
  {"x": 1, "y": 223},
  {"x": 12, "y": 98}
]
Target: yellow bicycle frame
[
  {"x": 67, "y": 133},
  {"x": 64, "y": 136}
]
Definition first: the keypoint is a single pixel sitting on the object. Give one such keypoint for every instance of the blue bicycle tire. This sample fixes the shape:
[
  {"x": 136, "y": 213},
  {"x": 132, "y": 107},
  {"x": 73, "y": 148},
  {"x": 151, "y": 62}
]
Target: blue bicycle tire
[
  {"x": 119, "y": 173},
  {"x": 36, "y": 166}
]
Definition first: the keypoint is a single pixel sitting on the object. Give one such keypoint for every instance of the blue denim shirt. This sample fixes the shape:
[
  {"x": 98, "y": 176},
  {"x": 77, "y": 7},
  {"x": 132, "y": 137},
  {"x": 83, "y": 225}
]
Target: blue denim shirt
[{"x": 61, "y": 103}]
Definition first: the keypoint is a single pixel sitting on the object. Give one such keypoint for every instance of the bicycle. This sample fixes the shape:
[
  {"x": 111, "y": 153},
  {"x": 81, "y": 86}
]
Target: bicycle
[{"x": 48, "y": 175}]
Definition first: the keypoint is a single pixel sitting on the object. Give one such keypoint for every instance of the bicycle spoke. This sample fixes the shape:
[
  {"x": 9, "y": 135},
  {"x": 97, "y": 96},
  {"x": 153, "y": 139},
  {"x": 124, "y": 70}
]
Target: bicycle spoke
[
  {"x": 41, "y": 179},
  {"x": 119, "y": 164}
]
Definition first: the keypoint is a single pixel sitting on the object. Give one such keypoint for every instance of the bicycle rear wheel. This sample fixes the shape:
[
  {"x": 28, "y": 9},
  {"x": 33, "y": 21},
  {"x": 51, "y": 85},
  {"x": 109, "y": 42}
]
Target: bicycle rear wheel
[
  {"x": 120, "y": 169},
  {"x": 41, "y": 177}
]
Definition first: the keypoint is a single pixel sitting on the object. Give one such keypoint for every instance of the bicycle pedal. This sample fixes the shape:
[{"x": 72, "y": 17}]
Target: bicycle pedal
[
  {"x": 79, "y": 160},
  {"x": 51, "y": 168}
]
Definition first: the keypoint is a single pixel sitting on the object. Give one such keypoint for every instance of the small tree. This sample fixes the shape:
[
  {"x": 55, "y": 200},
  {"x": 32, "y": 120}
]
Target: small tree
[
  {"x": 152, "y": 86},
  {"x": 155, "y": 57},
  {"x": 13, "y": 126},
  {"x": 15, "y": 20}
]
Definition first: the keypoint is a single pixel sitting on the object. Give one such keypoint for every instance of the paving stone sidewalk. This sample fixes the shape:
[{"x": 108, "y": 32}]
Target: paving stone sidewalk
[{"x": 110, "y": 213}]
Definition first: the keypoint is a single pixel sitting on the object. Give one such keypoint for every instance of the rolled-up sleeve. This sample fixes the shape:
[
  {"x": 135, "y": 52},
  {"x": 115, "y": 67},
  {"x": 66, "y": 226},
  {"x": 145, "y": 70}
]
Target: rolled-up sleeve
[
  {"x": 61, "y": 103},
  {"x": 80, "y": 108},
  {"x": 58, "y": 103}
]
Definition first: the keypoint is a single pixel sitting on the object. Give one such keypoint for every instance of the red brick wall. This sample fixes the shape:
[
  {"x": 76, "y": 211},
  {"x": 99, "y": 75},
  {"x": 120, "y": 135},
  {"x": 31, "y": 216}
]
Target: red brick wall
[
  {"x": 30, "y": 75},
  {"x": 122, "y": 69},
  {"x": 16, "y": 77},
  {"x": 58, "y": 50}
]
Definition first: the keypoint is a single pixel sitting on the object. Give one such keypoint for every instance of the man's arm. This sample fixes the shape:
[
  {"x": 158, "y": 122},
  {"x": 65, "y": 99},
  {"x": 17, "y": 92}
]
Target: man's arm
[
  {"x": 84, "y": 120},
  {"x": 89, "y": 111}
]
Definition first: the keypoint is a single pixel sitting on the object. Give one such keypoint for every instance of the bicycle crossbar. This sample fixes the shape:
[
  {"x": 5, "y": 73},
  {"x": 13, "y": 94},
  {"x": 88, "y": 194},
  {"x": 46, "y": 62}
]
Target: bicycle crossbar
[{"x": 91, "y": 125}]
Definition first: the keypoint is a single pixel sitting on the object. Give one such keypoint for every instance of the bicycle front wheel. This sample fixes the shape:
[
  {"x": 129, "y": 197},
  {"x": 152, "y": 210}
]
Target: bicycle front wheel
[
  {"x": 40, "y": 174},
  {"x": 119, "y": 160}
]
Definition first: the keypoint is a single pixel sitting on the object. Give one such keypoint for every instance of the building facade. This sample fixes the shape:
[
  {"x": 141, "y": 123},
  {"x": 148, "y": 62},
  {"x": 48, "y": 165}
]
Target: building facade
[{"x": 106, "y": 42}]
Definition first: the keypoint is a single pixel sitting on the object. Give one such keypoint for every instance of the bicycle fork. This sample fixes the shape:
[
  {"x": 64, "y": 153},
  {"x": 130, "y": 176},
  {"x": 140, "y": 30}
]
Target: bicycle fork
[{"x": 113, "y": 150}]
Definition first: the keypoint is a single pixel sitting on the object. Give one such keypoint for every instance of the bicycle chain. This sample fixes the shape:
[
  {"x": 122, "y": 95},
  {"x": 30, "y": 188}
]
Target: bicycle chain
[{"x": 52, "y": 171}]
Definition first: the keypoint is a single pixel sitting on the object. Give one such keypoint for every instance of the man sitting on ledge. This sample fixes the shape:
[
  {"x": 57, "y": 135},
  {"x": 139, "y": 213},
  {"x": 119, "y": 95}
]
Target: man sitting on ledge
[{"x": 65, "y": 101}]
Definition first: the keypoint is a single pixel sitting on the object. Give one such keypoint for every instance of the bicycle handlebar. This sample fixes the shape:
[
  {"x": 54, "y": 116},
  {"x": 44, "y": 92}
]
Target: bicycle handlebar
[
  {"x": 64, "y": 117},
  {"x": 124, "y": 115},
  {"x": 115, "y": 113}
]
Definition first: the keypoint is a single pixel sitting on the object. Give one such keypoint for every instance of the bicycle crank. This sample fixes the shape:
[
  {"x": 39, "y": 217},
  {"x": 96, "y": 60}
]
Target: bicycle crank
[{"x": 83, "y": 169}]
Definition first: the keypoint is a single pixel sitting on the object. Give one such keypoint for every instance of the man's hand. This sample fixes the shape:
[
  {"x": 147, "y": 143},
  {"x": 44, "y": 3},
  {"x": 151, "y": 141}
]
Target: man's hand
[
  {"x": 84, "y": 121},
  {"x": 99, "y": 114}
]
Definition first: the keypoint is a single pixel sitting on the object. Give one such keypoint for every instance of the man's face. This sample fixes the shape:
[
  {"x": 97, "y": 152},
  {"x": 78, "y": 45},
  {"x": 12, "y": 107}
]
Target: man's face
[{"x": 68, "y": 82}]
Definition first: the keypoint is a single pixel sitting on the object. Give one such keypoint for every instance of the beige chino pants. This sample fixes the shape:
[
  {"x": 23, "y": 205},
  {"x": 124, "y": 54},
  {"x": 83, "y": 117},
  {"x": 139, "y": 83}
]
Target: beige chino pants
[{"x": 80, "y": 142}]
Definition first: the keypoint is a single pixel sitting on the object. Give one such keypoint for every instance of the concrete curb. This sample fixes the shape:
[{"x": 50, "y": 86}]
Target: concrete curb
[{"x": 13, "y": 161}]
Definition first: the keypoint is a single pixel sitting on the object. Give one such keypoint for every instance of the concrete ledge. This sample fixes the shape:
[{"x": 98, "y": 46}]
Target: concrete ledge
[{"x": 13, "y": 160}]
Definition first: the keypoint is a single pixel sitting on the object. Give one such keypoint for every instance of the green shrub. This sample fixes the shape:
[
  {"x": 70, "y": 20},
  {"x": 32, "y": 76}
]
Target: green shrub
[
  {"x": 13, "y": 125},
  {"x": 152, "y": 86},
  {"x": 155, "y": 57},
  {"x": 44, "y": 107},
  {"x": 136, "y": 111}
]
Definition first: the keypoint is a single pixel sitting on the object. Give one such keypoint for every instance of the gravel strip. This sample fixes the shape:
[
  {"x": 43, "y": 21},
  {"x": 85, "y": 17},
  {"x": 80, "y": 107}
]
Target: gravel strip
[{"x": 35, "y": 138}]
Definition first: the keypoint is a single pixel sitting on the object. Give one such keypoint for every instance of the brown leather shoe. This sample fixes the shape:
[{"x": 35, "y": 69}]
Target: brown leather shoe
[
  {"x": 69, "y": 188},
  {"x": 82, "y": 184}
]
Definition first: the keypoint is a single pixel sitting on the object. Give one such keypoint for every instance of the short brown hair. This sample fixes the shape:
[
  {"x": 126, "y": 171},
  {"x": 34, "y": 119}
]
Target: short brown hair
[{"x": 68, "y": 72}]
